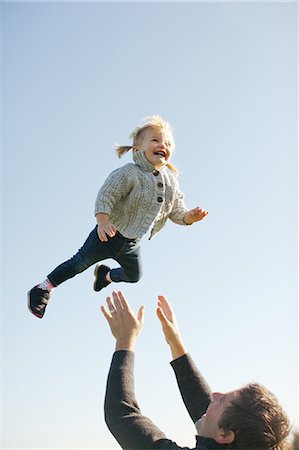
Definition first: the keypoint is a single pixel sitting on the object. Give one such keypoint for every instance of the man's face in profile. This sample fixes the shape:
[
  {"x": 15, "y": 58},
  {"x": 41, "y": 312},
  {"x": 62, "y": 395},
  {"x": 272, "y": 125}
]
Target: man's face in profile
[{"x": 207, "y": 425}]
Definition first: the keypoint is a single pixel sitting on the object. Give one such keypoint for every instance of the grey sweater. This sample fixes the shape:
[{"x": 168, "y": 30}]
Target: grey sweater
[
  {"x": 136, "y": 196},
  {"x": 131, "y": 429}
]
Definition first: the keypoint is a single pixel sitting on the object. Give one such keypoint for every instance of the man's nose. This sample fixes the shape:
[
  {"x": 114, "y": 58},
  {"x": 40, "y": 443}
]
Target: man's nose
[{"x": 216, "y": 395}]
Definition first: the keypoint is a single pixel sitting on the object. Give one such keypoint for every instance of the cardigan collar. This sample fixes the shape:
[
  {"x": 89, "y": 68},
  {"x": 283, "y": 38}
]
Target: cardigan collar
[
  {"x": 209, "y": 444},
  {"x": 141, "y": 160}
]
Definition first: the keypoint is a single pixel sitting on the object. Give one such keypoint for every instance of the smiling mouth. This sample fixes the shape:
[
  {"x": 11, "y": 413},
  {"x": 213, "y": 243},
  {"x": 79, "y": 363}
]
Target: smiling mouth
[{"x": 161, "y": 153}]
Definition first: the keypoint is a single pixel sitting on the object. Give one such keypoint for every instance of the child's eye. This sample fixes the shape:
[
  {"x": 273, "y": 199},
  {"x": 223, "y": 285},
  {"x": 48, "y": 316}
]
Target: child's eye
[{"x": 156, "y": 140}]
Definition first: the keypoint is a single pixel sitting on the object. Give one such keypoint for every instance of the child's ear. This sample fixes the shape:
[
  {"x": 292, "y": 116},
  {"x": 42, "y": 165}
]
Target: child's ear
[{"x": 135, "y": 149}]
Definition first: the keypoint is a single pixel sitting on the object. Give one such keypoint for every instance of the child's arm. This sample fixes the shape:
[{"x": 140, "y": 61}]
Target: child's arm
[
  {"x": 105, "y": 227},
  {"x": 180, "y": 213},
  {"x": 194, "y": 215},
  {"x": 116, "y": 186}
]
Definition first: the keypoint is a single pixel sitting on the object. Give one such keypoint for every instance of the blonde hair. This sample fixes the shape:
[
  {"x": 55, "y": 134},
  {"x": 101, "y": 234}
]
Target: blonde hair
[{"x": 138, "y": 134}]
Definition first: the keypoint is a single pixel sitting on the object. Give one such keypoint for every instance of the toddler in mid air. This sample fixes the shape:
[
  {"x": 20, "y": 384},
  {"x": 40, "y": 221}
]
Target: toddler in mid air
[{"x": 133, "y": 198}]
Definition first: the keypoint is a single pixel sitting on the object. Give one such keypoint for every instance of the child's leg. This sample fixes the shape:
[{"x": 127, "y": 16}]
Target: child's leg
[
  {"x": 92, "y": 251},
  {"x": 131, "y": 267},
  {"x": 46, "y": 285},
  {"x": 127, "y": 253}
]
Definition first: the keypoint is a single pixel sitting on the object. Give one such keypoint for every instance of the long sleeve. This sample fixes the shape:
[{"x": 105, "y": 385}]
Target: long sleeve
[
  {"x": 179, "y": 209},
  {"x": 195, "y": 392},
  {"x": 116, "y": 186},
  {"x": 131, "y": 429}
]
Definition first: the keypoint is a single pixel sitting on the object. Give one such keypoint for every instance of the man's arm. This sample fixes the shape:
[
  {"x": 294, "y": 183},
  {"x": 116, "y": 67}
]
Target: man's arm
[
  {"x": 195, "y": 392},
  {"x": 131, "y": 429},
  {"x": 194, "y": 389}
]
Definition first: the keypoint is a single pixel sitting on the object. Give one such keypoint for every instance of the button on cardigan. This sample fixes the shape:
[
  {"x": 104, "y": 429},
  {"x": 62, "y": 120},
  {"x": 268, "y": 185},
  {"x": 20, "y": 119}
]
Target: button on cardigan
[{"x": 136, "y": 195}]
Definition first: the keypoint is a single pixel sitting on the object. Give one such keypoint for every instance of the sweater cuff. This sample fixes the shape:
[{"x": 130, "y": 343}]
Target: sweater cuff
[
  {"x": 122, "y": 358},
  {"x": 102, "y": 207},
  {"x": 178, "y": 218},
  {"x": 181, "y": 361}
]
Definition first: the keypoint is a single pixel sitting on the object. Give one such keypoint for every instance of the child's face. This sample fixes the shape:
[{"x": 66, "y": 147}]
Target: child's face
[{"x": 157, "y": 145}]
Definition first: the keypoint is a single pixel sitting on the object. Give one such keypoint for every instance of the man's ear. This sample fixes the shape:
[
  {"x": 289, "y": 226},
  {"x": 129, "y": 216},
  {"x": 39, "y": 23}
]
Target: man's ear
[{"x": 225, "y": 437}]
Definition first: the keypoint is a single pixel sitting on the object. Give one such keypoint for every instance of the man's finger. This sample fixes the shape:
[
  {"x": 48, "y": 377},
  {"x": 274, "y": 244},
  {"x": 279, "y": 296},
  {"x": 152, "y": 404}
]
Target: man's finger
[
  {"x": 117, "y": 302},
  {"x": 161, "y": 315},
  {"x": 140, "y": 314},
  {"x": 110, "y": 304},
  {"x": 164, "y": 302},
  {"x": 124, "y": 302},
  {"x": 106, "y": 314}
]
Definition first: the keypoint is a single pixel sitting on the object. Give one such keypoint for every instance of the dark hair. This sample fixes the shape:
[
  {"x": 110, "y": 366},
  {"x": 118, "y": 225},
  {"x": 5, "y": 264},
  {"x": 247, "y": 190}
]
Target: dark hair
[{"x": 257, "y": 419}]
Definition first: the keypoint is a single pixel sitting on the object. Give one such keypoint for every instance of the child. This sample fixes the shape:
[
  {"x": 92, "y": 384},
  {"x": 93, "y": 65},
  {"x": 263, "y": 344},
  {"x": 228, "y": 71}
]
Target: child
[{"x": 132, "y": 198}]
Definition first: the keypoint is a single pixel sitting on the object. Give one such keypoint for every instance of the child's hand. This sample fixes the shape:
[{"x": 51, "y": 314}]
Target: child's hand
[
  {"x": 194, "y": 215},
  {"x": 106, "y": 230}
]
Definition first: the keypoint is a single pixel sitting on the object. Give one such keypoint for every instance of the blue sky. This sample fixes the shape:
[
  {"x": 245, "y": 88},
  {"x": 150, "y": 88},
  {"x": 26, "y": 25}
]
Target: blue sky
[{"x": 76, "y": 79}]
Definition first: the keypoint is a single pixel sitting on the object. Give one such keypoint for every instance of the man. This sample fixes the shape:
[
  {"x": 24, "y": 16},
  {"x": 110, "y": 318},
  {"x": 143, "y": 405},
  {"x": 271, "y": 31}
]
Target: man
[{"x": 246, "y": 418}]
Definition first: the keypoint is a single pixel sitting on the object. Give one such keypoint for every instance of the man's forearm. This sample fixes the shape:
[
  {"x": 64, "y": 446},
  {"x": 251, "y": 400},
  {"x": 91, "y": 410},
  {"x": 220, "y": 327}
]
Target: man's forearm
[
  {"x": 194, "y": 389},
  {"x": 131, "y": 429}
]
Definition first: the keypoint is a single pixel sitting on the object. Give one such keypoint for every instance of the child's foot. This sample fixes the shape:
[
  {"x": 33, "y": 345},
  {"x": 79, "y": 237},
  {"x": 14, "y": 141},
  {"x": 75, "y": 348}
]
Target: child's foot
[
  {"x": 100, "y": 281},
  {"x": 37, "y": 301}
]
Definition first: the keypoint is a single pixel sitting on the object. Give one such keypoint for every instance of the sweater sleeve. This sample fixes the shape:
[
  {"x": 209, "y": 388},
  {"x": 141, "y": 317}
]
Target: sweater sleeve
[
  {"x": 116, "y": 186},
  {"x": 195, "y": 391},
  {"x": 131, "y": 429},
  {"x": 179, "y": 208}
]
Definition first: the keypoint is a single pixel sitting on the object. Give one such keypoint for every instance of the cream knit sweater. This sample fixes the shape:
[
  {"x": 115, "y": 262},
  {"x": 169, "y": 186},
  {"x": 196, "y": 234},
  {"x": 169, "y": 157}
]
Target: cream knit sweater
[{"x": 136, "y": 196}]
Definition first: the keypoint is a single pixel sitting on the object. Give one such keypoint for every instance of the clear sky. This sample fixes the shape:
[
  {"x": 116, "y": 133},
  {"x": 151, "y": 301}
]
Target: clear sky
[{"x": 77, "y": 78}]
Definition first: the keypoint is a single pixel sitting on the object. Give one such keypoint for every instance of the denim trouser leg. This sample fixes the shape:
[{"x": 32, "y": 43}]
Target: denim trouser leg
[
  {"x": 130, "y": 261},
  {"x": 92, "y": 251}
]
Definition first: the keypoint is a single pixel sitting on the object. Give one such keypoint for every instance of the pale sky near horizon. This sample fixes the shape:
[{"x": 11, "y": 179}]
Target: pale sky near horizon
[{"x": 76, "y": 79}]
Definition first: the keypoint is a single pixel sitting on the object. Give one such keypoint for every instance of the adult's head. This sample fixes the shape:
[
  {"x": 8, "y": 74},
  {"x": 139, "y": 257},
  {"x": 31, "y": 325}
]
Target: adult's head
[{"x": 247, "y": 418}]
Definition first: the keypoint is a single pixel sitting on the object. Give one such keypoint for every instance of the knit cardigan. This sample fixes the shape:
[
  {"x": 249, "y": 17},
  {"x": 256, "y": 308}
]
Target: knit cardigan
[{"x": 136, "y": 195}]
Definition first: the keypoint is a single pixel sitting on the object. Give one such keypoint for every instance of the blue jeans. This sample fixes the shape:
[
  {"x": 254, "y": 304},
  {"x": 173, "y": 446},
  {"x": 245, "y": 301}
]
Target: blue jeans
[{"x": 125, "y": 251}]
